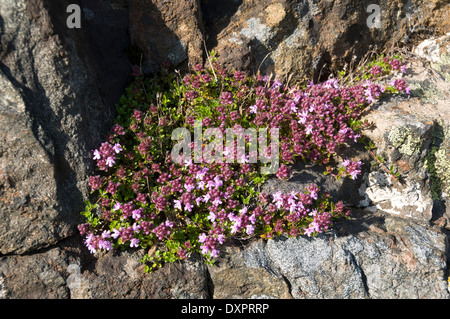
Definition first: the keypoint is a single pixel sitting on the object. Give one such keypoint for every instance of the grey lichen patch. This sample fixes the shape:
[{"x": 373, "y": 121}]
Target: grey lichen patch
[
  {"x": 443, "y": 66},
  {"x": 442, "y": 163},
  {"x": 257, "y": 30},
  {"x": 437, "y": 161},
  {"x": 426, "y": 91},
  {"x": 443, "y": 167},
  {"x": 404, "y": 139}
]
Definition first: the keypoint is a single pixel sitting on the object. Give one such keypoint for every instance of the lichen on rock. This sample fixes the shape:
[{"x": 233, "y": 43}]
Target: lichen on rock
[
  {"x": 442, "y": 163},
  {"x": 405, "y": 140}
]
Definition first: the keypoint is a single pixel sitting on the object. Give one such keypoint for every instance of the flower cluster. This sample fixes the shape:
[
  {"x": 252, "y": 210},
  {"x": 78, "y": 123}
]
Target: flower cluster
[
  {"x": 106, "y": 155},
  {"x": 352, "y": 168},
  {"x": 146, "y": 199}
]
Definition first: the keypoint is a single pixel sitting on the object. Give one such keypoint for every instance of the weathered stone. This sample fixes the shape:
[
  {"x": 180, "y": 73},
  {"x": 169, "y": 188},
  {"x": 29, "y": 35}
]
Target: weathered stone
[
  {"x": 402, "y": 140},
  {"x": 122, "y": 275},
  {"x": 107, "y": 25},
  {"x": 52, "y": 114},
  {"x": 42, "y": 275},
  {"x": 409, "y": 133},
  {"x": 247, "y": 273},
  {"x": 167, "y": 32},
  {"x": 299, "y": 40},
  {"x": 373, "y": 256}
]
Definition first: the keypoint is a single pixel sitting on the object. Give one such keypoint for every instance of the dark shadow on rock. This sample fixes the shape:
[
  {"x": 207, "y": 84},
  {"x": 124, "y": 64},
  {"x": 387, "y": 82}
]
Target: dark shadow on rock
[
  {"x": 160, "y": 46},
  {"x": 107, "y": 32},
  {"x": 261, "y": 61},
  {"x": 359, "y": 222},
  {"x": 67, "y": 128},
  {"x": 44, "y": 125},
  {"x": 216, "y": 17}
]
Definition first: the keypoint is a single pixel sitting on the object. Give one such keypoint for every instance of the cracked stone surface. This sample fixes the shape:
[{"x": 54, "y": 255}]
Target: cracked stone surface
[
  {"x": 52, "y": 114},
  {"x": 372, "y": 256}
]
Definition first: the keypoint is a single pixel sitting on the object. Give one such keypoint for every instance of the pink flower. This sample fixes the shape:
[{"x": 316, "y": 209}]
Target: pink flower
[
  {"x": 235, "y": 228},
  {"x": 117, "y": 206},
  {"x": 217, "y": 181},
  {"x": 178, "y": 204},
  {"x": 201, "y": 174},
  {"x": 243, "y": 211},
  {"x": 408, "y": 90},
  {"x": 250, "y": 229},
  {"x": 105, "y": 245},
  {"x": 136, "y": 228},
  {"x": 214, "y": 253},
  {"x": 115, "y": 234},
  {"x": 110, "y": 161},
  {"x": 216, "y": 202},
  {"x": 403, "y": 68},
  {"x": 134, "y": 242},
  {"x": 168, "y": 223},
  {"x": 97, "y": 155},
  {"x": 210, "y": 184},
  {"x": 189, "y": 187},
  {"x": 188, "y": 207},
  {"x": 303, "y": 117},
  {"x": 346, "y": 162},
  {"x": 202, "y": 238},
  {"x": 117, "y": 148},
  {"x": 201, "y": 185},
  {"x": 204, "y": 249},
  {"x": 309, "y": 231},
  {"x": 136, "y": 214},
  {"x": 206, "y": 198},
  {"x": 211, "y": 216}
]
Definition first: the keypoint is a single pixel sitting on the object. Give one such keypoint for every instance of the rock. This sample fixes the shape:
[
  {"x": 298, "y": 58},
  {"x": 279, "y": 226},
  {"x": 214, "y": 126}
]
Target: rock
[
  {"x": 403, "y": 140},
  {"x": 245, "y": 34},
  {"x": 107, "y": 25},
  {"x": 374, "y": 256},
  {"x": 167, "y": 33},
  {"x": 42, "y": 275},
  {"x": 122, "y": 276},
  {"x": 434, "y": 50},
  {"x": 430, "y": 82},
  {"x": 411, "y": 133},
  {"x": 52, "y": 115},
  {"x": 299, "y": 40},
  {"x": 247, "y": 273},
  {"x": 410, "y": 200},
  {"x": 68, "y": 271}
]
